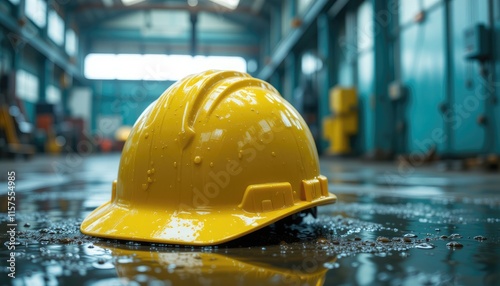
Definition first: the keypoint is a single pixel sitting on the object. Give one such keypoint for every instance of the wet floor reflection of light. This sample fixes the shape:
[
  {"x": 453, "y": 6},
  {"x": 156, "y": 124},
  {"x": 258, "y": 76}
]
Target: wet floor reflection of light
[{"x": 365, "y": 273}]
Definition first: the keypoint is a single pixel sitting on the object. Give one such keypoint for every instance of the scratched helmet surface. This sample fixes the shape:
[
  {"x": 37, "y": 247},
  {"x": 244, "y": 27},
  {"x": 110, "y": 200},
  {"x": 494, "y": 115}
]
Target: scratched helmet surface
[{"x": 218, "y": 155}]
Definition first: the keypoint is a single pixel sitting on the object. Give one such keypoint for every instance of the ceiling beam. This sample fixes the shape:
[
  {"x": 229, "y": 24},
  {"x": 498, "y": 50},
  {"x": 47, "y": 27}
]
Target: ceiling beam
[
  {"x": 250, "y": 19},
  {"x": 161, "y": 6},
  {"x": 233, "y": 38},
  {"x": 288, "y": 42},
  {"x": 92, "y": 24}
]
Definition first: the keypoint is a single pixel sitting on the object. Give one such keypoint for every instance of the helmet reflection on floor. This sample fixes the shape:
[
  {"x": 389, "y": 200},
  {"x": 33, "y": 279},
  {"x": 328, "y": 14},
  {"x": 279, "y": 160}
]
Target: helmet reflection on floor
[{"x": 218, "y": 155}]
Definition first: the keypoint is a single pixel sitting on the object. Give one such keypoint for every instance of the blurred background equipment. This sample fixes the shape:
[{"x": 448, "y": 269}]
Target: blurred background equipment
[
  {"x": 343, "y": 124},
  {"x": 121, "y": 136},
  {"x": 15, "y": 130}
]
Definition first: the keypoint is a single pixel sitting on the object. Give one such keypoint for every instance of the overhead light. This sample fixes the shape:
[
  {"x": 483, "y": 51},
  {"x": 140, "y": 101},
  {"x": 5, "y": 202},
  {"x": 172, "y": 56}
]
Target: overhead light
[
  {"x": 107, "y": 3},
  {"x": 230, "y": 4},
  {"x": 131, "y": 2},
  {"x": 192, "y": 3}
]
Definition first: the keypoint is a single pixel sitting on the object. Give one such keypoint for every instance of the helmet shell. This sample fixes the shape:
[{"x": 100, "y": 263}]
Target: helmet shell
[{"x": 216, "y": 156}]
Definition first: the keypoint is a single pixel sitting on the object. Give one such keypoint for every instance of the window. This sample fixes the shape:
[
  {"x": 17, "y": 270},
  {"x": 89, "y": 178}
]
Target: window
[
  {"x": 27, "y": 86},
  {"x": 131, "y": 2},
  {"x": 71, "y": 43},
  {"x": 52, "y": 94},
  {"x": 155, "y": 67},
  {"x": 36, "y": 10},
  {"x": 230, "y": 4},
  {"x": 55, "y": 30}
]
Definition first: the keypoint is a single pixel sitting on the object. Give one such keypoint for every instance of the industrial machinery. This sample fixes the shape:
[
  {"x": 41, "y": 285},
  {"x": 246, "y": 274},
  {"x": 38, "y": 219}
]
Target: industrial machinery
[{"x": 343, "y": 124}]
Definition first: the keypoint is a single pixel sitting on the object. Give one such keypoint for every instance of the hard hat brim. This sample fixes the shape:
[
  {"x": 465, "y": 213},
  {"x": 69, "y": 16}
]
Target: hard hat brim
[{"x": 207, "y": 227}]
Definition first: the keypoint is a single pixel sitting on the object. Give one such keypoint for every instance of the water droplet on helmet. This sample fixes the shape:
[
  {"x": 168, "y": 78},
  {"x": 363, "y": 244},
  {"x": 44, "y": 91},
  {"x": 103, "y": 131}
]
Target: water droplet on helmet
[
  {"x": 146, "y": 135},
  {"x": 175, "y": 164},
  {"x": 273, "y": 154},
  {"x": 197, "y": 160}
]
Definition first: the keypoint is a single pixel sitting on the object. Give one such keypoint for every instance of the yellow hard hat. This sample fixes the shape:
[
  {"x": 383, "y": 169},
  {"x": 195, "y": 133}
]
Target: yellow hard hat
[
  {"x": 193, "y": 268},
  {"x": 218, "y": 155}
]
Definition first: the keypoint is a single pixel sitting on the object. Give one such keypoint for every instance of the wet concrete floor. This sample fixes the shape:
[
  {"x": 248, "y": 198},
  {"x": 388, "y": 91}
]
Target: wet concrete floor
[{"x": 392, "y": 225}]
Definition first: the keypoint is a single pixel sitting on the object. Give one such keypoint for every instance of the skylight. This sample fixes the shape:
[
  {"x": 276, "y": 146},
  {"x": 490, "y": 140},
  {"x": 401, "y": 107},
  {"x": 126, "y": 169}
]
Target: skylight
[
  {"x": 230, "y": 4},
  {"x": 131, "y": 2},
  {"x": 155, "y": 66}
]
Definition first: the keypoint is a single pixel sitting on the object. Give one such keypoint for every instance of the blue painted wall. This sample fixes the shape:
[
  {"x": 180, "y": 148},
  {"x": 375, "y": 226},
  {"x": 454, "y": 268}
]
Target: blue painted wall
[
  {"x": 469, "y": 92},
  {"x": 444, "y": 109},
  {"x": 422, "y": 72},
  {"x": 496, "y": 68},
  {"x": 449, "y": 104}
]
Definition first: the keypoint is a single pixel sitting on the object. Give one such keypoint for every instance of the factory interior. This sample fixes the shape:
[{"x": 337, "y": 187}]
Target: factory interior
[{"x": 391, "y": 175}]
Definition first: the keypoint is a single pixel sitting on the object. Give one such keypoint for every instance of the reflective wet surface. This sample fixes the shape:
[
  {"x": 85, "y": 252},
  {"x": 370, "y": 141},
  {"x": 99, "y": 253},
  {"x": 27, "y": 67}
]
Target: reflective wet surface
[{"x": 392, "y": 225}]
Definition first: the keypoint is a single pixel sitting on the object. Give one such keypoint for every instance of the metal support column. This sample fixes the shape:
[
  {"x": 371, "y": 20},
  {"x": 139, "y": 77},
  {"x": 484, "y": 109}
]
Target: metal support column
[
  {"x": 448, "y": 73},
  {"x": 383, "y": 116},
  {"x": 275, "y": 26},
  {"x": 275, "y": 81},
  {"x": 16, "y": 40},
  {"x": 20, "y": 9},
  {"x": 46, "y": 78},
  {"x": 325, "y": 75},
  {"x": 194, "y": 40},
  {"x": 292, "y": 8},
  {"x": 291, "y": 77}
]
